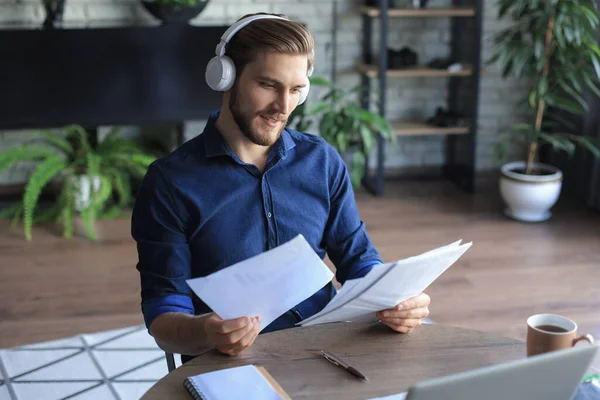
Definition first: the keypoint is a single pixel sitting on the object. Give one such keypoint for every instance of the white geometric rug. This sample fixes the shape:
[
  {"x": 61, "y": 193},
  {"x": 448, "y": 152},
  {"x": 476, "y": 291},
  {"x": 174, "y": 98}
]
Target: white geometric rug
[{"x": 119, "y": 364}]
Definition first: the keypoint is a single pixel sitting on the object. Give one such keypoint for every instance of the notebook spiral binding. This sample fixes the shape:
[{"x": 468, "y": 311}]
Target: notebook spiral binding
[{"x": 193, "y": 390}]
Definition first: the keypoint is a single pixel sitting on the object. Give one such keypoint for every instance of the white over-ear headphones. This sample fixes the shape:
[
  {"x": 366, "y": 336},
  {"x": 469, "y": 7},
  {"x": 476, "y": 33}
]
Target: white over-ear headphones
[{"x": 220, "y": 71}]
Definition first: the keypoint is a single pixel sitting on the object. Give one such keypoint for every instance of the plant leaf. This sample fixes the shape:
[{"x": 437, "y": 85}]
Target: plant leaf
[
  {"x": 89, "y": 217},
  {"x": 380, "y": 123},
  {"x": 67, "y": 200},
  {"x": 319, "y": 107},
  {"x": 48, "y": 214},
  {"x": 118, "y": 145},
  {"x": 358, "y": 168},
  {"x": 557, "y": 119},
  {"x": 573, "y": 80},
  {"x": 122, "y": 186},
  {"x": 522, "y": 127},
  {"x": 55, "y": 140},
  {"x": 533, "y": 98},
  {"x": 573, "y": 94},
  {"x": 367, "y": 138},
  {"x": 11, "y": 210},
  {"x": 590, "y": 15},
  {"x": 38, "y": 179},
  {"x": 590, "y": 144},
  {"x": 320, "y": 81},
  {"x": 564, "y": 104},
  {"x": 596, "y": 63},
  {"x": 326, "y": 123},
  {"x": 79, "y": 134},
  {"x": 23, "y": 153},
  {"x": 559, "y": 142},
  {"x": 592, "y": 85},
  {"x": 114, "y": 134},
  {"x": 104, "y": 193},
  {"x": 138, "y": 163}
]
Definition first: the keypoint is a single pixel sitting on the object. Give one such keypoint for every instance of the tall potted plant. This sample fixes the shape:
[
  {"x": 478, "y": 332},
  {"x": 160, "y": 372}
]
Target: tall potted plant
[
  {"x": 344, "y": 124},
  {"x": 553, "y": 44}
]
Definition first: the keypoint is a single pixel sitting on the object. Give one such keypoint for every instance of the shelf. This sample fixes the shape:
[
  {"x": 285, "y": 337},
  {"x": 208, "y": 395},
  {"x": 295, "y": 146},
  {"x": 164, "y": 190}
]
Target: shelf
[
  {"x": 416, "y": 128},
  {"x": 373, "y": 71},
  {"x": 421, "y": 12},
  {"x": 376, "y": 71}
]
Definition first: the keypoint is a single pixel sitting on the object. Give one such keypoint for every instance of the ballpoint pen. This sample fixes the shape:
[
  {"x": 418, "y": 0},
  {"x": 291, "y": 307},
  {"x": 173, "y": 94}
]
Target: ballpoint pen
[{"x": 342, "y": 364}]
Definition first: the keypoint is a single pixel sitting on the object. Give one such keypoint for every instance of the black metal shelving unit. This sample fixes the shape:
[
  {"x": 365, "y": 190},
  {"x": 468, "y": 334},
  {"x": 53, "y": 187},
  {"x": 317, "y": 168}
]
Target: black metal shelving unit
[{"x": 463, "y": 85}]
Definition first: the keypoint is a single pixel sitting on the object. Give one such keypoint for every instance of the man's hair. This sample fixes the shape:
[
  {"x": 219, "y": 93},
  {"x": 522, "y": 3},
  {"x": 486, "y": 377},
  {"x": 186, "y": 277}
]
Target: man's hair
[{"x": 270, "y": 35}]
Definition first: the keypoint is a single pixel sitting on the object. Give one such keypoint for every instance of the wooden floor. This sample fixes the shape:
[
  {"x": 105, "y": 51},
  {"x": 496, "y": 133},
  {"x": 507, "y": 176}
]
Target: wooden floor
[{"x": 52, "y": 288}]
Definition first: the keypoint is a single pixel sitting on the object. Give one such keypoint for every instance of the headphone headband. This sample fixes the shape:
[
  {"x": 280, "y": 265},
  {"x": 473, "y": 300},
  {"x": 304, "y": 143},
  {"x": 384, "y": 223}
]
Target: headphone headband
[
  {"x": 229, "y": 33},
  {"x": 221, "y": 72}
]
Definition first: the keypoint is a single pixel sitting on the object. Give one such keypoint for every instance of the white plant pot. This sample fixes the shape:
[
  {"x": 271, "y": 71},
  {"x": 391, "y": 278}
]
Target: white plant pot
[
  {"x": 529, "y": 198},
  {"x": 82, "y": 184}
]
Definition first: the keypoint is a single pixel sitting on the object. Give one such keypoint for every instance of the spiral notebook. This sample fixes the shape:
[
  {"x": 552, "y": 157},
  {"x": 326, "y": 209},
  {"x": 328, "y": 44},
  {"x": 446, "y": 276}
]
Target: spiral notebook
[{"x": 249, "y": 382}]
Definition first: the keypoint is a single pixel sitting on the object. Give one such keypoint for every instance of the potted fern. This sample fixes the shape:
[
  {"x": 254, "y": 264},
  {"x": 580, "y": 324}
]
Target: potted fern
[
  {"x": 344, "y": 124},
  {"x": 89, "y": 179},
  {"x": 553, "y": 44}
]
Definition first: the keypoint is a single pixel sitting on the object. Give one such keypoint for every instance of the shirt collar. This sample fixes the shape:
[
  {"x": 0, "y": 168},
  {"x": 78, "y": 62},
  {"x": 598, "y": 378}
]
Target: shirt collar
[
  {"x": 215, "y": 144},
  {"x": 285, "y": 144}
]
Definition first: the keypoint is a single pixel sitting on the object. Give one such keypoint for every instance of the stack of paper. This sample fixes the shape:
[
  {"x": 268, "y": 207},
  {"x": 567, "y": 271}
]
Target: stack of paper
[
  {"x": 267, "y": 285},
  {"x": 387, "y": 285}
]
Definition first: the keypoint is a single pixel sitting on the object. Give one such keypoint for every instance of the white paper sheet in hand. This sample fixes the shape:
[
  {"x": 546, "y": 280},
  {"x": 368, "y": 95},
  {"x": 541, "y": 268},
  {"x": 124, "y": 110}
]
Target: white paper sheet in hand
[
  {"x": 387, "y": 285},
  {"x": 266, "y": 285}
]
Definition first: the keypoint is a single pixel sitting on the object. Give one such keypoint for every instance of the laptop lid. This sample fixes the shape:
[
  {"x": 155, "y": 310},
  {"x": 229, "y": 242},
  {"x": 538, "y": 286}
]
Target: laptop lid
[{"x": 550, "y": 376}]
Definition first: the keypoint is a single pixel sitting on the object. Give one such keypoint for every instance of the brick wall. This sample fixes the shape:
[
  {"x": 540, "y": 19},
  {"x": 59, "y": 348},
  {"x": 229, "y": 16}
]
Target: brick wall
[{"x": 415, "y": 97}]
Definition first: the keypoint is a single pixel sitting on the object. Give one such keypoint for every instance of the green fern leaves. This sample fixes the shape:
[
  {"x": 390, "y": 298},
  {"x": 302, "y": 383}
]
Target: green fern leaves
[
  {"x": 24, "y": 153},
  {"x": 67, "y": 154},
  {"x": 55, "y": 140},
  {"x": 45, "y": 171}
]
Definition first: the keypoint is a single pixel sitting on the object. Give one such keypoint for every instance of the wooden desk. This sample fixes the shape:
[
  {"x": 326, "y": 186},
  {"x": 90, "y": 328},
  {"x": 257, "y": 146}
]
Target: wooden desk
[{"x": 391, "y": 361}]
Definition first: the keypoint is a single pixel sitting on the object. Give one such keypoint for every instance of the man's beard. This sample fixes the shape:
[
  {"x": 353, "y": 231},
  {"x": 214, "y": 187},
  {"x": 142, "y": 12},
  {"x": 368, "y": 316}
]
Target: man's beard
[{"x": 244, "y": 122}]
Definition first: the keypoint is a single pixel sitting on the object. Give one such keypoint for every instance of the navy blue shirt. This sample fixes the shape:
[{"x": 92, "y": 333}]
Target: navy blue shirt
[{"x": 201, "y": 209}]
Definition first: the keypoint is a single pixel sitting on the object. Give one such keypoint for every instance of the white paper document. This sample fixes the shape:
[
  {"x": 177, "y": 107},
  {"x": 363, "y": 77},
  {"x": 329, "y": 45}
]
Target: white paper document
[
  {"x": 387, "y": 285},
  {"x": 266, "y": 285}
]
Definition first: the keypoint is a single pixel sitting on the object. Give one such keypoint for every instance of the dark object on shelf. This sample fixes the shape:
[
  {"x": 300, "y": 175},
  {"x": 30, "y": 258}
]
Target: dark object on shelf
[
  {"x": 420, "y": 3},
  {"x": 375, "y": 3},
  {"x": 440, "y": 63},
  {"x": 54, "y": 14},
  {"x": 173, "y": 13},
  {"x": 444, "y": 118},
  {"x": 109, "y": 76},
  {"x": 402, "y": 58}
]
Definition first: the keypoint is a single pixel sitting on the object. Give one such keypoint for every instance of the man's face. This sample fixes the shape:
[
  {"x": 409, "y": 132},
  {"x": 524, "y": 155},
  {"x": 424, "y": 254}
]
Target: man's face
[{"x": 266, "y": 93}]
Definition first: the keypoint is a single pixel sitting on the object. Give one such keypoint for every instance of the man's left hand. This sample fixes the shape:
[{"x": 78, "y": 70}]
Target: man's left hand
[{"x": 408, "y": 315}]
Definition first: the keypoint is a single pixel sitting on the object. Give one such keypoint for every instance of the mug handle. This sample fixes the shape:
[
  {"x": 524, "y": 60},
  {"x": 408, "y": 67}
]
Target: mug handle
[{"x": 588, "y": 338}]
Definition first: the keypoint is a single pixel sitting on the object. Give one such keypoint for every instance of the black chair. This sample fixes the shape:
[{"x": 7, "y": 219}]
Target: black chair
[{"x": 170, "y": 361}]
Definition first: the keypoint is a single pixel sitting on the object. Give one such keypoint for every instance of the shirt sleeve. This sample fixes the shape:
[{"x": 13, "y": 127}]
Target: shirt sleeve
[
  {"x": 164, "y": 257},
  {"x": 346, "y": 240}
]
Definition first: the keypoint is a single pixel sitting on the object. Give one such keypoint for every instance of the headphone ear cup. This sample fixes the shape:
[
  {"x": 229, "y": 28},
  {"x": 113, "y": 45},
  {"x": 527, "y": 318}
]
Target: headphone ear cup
[
  {"x": 220, "y": 73},
  {"x": 304, "y": 92}
]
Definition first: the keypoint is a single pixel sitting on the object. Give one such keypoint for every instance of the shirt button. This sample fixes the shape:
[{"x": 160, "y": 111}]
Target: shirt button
[{"x": 269, "y": 215}]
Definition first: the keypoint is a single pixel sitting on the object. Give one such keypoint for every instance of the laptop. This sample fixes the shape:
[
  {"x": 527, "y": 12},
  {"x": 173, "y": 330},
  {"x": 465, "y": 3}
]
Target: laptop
[{"x": 550, "y": 376}]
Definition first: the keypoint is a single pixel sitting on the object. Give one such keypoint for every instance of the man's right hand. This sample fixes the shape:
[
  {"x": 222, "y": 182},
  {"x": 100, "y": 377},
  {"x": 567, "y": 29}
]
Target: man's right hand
[{"x": 232, "y": 336}]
